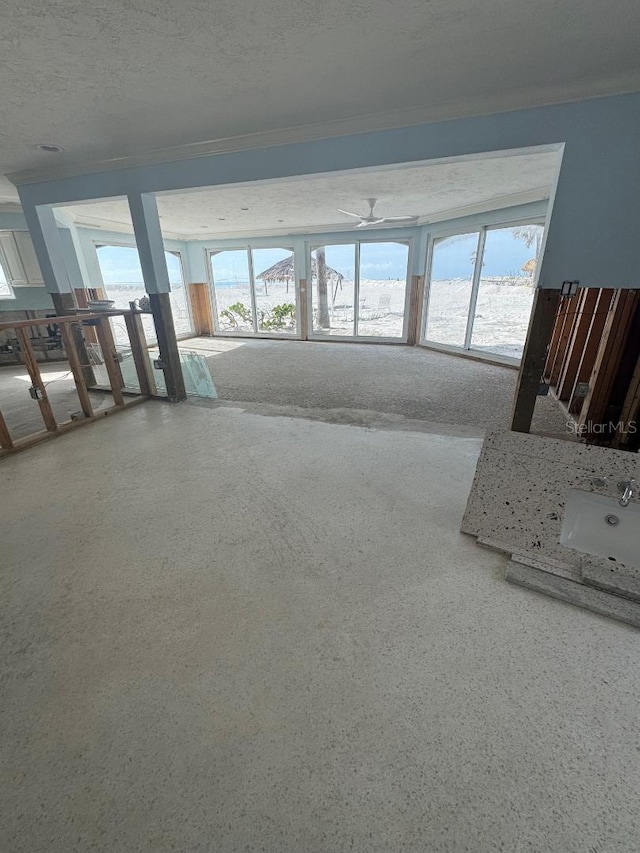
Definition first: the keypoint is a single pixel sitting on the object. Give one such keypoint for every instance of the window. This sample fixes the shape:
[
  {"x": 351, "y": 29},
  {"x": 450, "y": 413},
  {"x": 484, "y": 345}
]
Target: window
[
  {"x": 6, "y": 291},
  {"x": 254, "y": 290},
  {"x": 481, "y": 289},
  {"x": 359, "y": 289},
  {"x": 123, "y": 282}
]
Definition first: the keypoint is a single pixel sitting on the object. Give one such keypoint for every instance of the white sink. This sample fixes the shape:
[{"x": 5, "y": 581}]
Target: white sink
[{"x": 598, "y": 525}]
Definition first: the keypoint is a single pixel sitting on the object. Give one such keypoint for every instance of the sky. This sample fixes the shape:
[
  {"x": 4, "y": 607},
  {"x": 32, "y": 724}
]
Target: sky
[
  {"x": 119, "y": 264},
  {"x": 504, "y": 255}
]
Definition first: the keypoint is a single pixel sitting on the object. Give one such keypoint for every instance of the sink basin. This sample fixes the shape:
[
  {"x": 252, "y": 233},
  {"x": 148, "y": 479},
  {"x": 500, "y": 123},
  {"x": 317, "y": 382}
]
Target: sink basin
[{"x": 597, "y": 525}]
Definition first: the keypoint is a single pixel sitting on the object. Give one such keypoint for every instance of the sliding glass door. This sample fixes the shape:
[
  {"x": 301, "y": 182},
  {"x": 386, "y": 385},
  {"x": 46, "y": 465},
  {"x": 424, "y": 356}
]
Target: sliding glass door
[
  {"x": 481, "y": 288},
  {"x": 359, "y": 290},
  {"x": 254, "y": 291}
]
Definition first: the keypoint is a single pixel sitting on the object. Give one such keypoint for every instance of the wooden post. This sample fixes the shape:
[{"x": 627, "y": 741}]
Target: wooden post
[
  {"x": 5, "y": 436},
  {"x": 105, "y": 339},
  {"x": 140, "y": 354},
  {"x": 543, "y": 316},
  {"x": 76, "y": 368},
  {"x": 416, "y": 294},
  {"x": 36, "y": 379},
  {"x": 628, "y": 420},
  {"x": 304, "y": 311},
  {"x": 168, "y": 346}
]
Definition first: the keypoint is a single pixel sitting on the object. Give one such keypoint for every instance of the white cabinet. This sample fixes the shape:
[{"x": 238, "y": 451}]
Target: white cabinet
[{"x": 22, "y": 268}]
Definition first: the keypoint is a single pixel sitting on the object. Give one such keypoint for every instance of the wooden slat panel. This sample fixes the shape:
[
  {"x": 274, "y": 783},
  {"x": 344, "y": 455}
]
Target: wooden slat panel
[
  {"x": 140, "y": 354},
  {"x": 76, "y": 368},
  {"x": 612, "y": 345},
  {"x": 570, "y": 315},
  {"x": 201, "y": 312},
  {"x": 555, "y": 335},
  {"x": 592, "y": 344},
  {"x": 36, "y": 379},
  {"x": 105, "y": 339},
  {"x": 586, "y": 307},
  {"x": 543, "y": 317}
]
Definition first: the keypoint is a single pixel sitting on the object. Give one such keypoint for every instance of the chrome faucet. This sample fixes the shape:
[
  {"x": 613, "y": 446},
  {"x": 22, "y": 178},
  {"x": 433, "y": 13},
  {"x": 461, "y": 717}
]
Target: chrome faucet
[{"x": 628, "y": 490}]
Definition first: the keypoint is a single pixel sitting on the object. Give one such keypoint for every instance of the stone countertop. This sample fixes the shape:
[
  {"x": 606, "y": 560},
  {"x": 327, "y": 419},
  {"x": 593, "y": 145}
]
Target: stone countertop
[{"x": 518, "y": 496}]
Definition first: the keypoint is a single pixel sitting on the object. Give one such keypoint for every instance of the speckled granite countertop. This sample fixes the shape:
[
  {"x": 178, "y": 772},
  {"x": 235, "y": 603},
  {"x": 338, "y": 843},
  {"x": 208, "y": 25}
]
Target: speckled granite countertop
[{"x": 518, "y": 495}]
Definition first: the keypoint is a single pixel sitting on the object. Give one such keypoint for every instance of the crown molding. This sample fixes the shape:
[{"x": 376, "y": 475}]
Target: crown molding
[
  {"x": 346, "y": 126},
  {"x": 502, "y": 202}
]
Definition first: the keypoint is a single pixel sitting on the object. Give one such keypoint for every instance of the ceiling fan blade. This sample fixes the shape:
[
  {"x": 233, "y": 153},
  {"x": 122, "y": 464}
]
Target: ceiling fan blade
[
  {"x": 363, "y": 223},
  {"x": 348, "y": 213},
  {"x": 399, "y": 218}
]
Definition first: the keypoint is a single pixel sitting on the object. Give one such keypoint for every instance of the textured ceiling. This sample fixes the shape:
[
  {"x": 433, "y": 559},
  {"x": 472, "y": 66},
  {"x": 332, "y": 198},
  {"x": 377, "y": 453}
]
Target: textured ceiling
[
  {"x": 121, "y": 78},
  {"x": 428, "y": 191}
]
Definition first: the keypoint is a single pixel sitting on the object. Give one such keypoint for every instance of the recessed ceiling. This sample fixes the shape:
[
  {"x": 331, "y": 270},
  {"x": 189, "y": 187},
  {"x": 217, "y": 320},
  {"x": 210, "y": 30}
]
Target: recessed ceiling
[
  {"x": 121, "y": 79},
  {"x": 428, "y": 191}
]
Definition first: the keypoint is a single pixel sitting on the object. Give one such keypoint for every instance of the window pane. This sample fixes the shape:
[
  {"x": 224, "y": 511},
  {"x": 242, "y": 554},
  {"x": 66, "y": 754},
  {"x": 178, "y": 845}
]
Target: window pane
[
  {"x": 122, "y": 279},
  {"x": 450, "y": 288},
  {"x": 123, "y": 282},
  {"x": 333, "y": 270},
  {"x": 275, "y": 290},
  {"x": 383, "y": 289},
  {"x": 231, "y": 282},
  {"x": 505, "y": 294},
  {"x": 5, "y": 290},
  {"x": 178, "y": 295}
]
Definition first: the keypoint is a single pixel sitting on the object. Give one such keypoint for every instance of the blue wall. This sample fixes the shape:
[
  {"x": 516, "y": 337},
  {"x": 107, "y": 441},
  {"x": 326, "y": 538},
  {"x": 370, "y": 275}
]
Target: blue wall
[{"x": 595, "y": 219}]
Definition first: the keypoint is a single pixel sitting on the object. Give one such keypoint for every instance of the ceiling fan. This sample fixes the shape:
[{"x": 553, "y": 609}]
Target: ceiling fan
[{"x": 372, "y": 219}]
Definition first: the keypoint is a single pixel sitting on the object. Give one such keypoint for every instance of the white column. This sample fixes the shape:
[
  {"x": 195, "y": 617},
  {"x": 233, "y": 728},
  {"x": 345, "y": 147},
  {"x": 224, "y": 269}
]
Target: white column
[
  {"x": 48, "y": 247},
  {"x": 146, "y": 227}
]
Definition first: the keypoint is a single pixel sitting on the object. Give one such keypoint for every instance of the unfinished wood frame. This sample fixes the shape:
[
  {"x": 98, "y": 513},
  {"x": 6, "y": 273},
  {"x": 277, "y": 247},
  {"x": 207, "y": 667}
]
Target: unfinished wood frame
[
  {"x": 70, "y": 327},
  {"x": 593, "y": 364}
]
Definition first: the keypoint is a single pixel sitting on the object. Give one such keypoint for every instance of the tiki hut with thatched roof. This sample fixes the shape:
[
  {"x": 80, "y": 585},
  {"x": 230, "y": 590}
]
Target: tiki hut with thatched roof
[{"x": 284, "y": 271}]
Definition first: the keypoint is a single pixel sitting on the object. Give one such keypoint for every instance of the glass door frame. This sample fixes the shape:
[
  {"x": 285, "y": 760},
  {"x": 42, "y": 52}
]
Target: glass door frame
[
  {"x": 209, "y": 252},
  {"x": 482, "y": 230},
  {"x": 313, "y": 335}
]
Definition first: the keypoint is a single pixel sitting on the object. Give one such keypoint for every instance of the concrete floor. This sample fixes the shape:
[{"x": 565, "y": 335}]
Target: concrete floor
[
  {"x": 228, "y": 632},
  {"x": 338, "y": 382}
]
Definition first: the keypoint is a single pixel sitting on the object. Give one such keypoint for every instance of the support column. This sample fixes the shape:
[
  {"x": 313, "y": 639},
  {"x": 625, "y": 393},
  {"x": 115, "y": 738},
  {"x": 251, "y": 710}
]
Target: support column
[
  {"x": 49, "y": 249},
  {"x": 148, "y": 234},
  {"x": 545, "y": 306}
]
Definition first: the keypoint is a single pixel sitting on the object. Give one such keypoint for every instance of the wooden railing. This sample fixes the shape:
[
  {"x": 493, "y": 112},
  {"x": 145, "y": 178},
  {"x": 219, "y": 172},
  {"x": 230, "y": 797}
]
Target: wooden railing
[{"x": 80, "y": 366}]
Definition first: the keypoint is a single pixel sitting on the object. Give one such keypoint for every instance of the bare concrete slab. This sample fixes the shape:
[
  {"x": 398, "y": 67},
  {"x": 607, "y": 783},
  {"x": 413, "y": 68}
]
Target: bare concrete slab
[{"x": 229, "y": 632}]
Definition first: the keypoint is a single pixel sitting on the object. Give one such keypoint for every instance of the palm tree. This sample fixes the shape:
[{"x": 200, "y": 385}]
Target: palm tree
[
  {"x": 530, "y": 235},
  {"x": 323, "y": 301}
]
